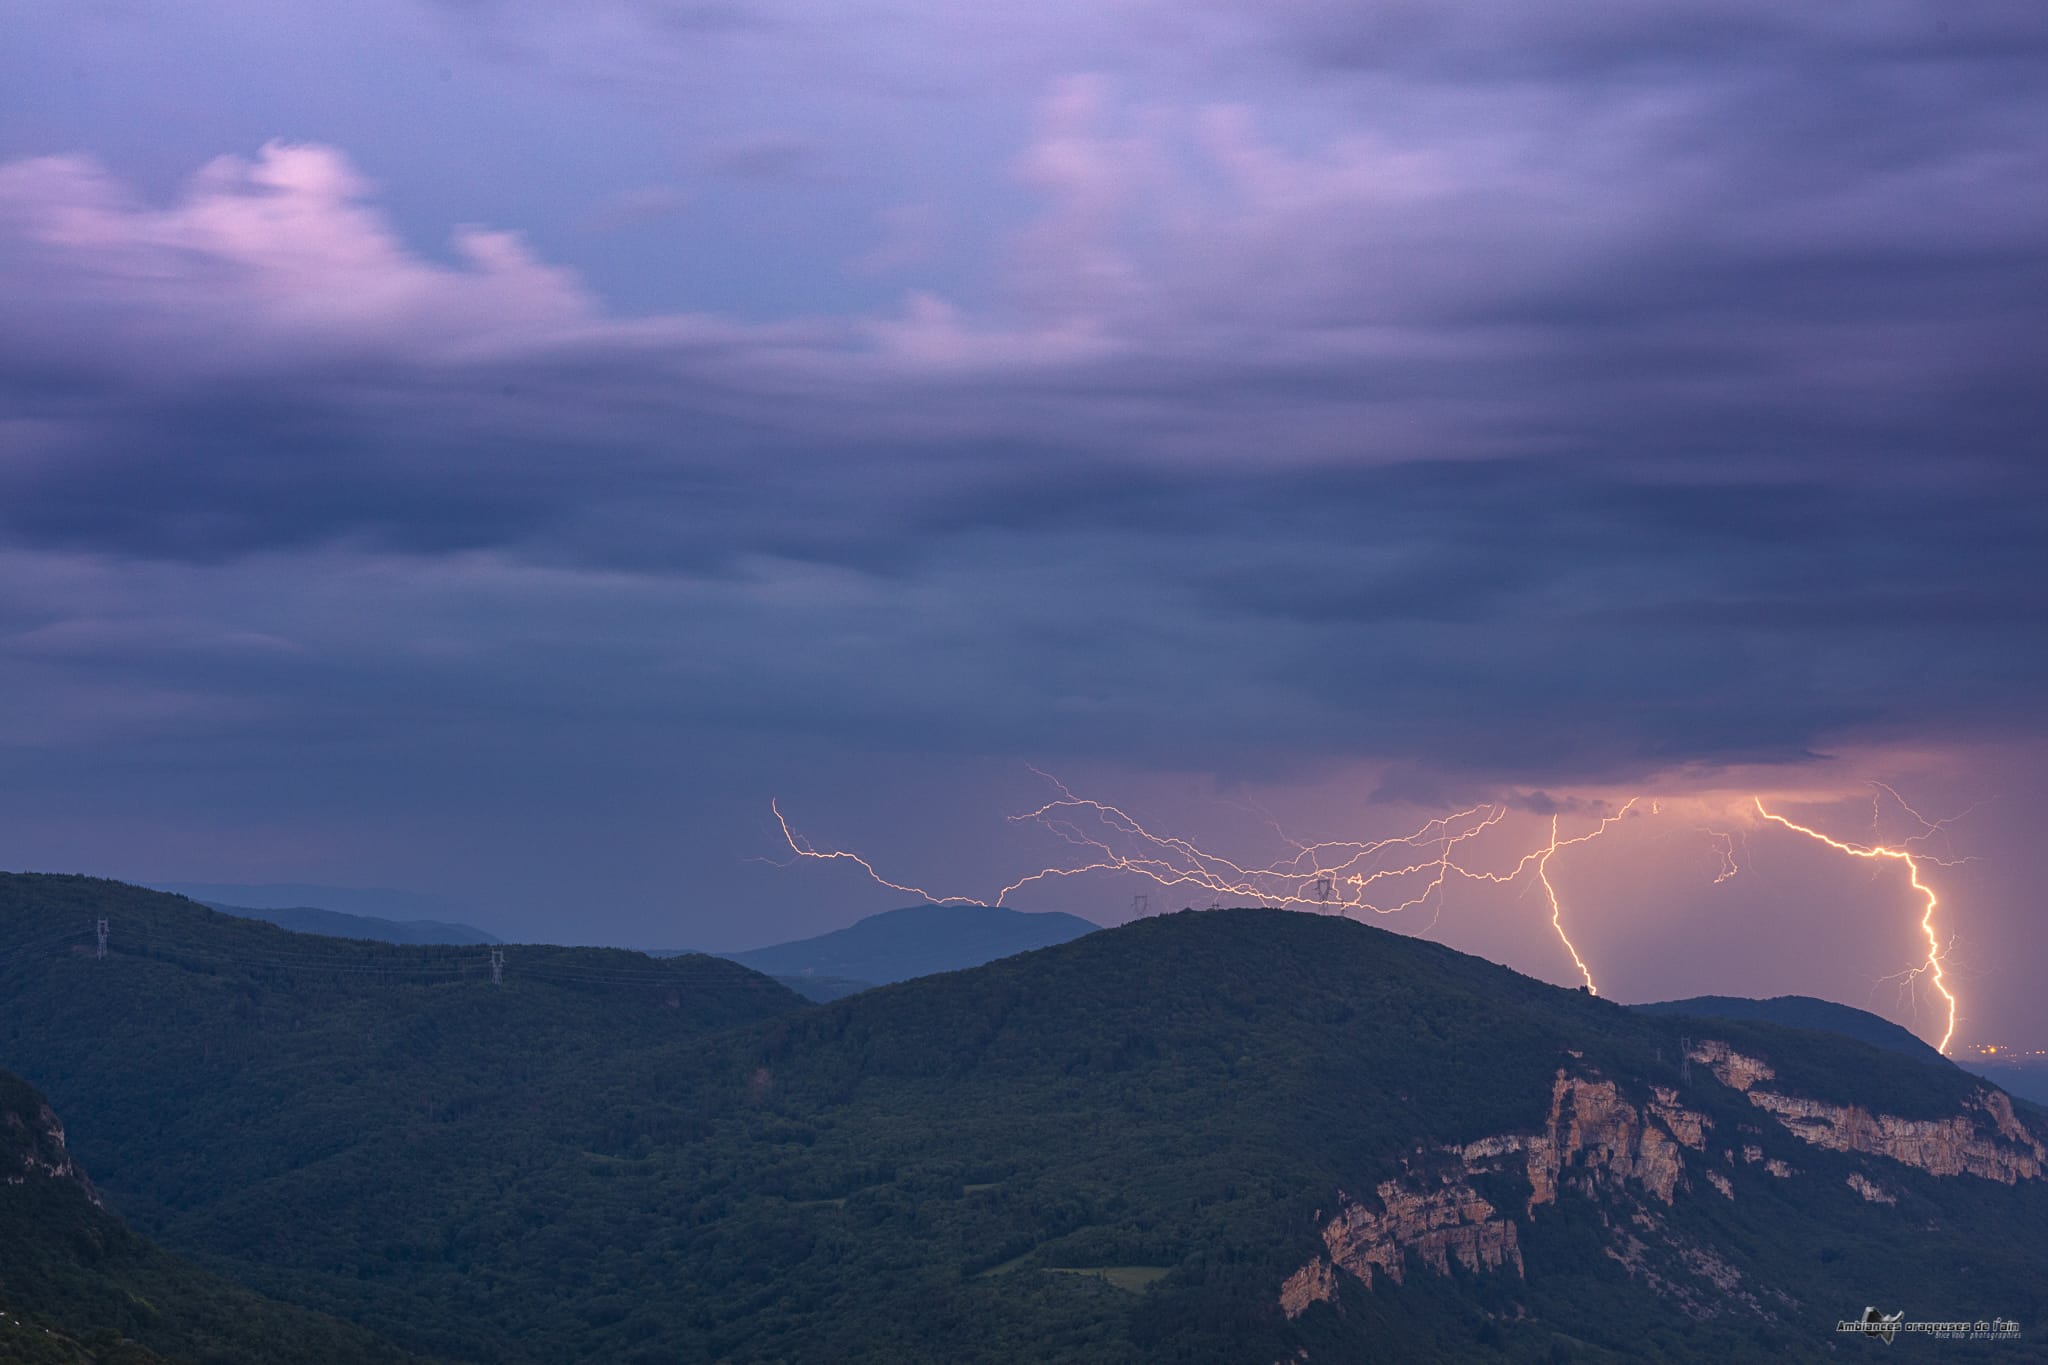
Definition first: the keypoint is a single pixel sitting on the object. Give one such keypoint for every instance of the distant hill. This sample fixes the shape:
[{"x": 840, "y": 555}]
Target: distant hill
[
  {"x": 824, "y": 989},
  {"x": 1805, "y": 1011},
  {"x": 375, "y": 901},
  {"x": 77, "y": 1287},
  {"x": 2028, "y": 1082},
  {"x": 1235, "y": 1135},
  {"x": 306, "y": 919},
  {"x": 897, "y": 945}
]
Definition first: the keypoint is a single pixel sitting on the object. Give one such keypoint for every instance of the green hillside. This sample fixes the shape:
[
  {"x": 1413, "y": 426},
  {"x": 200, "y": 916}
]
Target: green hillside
[
  {"x": 1120, "y": 1148},
  {"x": 348, "y": 1124},
  {"x": 78, "y": 1287}
]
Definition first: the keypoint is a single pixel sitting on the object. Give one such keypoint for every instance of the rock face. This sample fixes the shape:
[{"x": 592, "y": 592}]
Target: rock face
[
  {"x": 1450, "y": 1224},
  {"x": 1594, "y": 1140},
  {"x": 1315, "y": 1282},
  {"x": 1593, "y": 1129},
  {"x": 1986, "y": 1140},
  {"x": 1629, "y": 1154},
  {"x": 1730, "y": 1067},
  {"x": 32, "y": 1141}
]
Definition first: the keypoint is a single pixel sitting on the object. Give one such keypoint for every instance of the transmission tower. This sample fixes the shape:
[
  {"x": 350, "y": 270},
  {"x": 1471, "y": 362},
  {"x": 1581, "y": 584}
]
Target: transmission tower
[
  {"x": 1685, "y": 1059},
  {"x": 497, "y": 966},
  {"x": 1326, "y": 889},
  {"x": 102, "y": 931},
  {"x": 1141, "y": 905}
]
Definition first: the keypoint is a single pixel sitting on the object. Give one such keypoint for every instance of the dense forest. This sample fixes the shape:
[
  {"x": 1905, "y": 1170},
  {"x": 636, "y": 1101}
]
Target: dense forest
[
  {"x": 1117, "y": 1148},
  {"x": 78, "y": 1288}
]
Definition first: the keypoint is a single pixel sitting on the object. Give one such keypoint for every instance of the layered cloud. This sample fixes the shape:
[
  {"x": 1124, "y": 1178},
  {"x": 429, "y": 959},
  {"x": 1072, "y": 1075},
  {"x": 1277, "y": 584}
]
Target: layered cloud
[{"x": 1529, "y": 396}]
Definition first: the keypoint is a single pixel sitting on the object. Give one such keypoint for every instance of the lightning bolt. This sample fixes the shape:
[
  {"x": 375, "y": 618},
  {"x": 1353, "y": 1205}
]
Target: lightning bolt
[
  {"x": 1381, "y": 876},
  {"x": 803, "y": 849},
  {"x": 1540, "y": 859},
  {"x": 1932, "y": 967},
  {"x": 1343, "y": 875},
  {"x": 1724, "y": 845}
]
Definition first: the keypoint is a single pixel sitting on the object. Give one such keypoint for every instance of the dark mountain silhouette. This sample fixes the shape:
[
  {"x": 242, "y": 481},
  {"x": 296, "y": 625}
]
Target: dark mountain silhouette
[
  {"x": 1804, "y": 1011},
  {"x": 307, "y": 919},
  {"x": 920, "y": 940},
  {"x": 823, "y": 990},
  {"x": 1232, "y": 1135},
  {"x": 376, "y": 901},
  {"x": 2027, "y": 1082}
]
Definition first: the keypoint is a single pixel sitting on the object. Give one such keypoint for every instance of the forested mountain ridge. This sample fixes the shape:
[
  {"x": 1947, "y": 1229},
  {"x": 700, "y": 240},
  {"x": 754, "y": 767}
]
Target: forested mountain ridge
[
  {"x": 277, "y": 1099},
  {"x": 78, "y": 1288},
  {"x": 1804, "y": 1011},
  {"x": 1217, "y": 1135}
]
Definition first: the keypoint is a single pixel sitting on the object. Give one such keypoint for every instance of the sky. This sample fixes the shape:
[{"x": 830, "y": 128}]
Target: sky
[{"x": 491, "y": 449}]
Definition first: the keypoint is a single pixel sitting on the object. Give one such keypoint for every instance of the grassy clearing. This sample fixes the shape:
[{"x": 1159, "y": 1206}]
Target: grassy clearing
[{"x": 1132, "y": 1279}]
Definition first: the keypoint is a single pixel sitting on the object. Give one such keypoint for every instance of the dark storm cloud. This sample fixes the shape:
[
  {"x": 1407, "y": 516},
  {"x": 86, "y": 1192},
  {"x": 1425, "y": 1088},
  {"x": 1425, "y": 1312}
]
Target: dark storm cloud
[
  {"x": 1596, "y": 393},
  {"x": 1595, "y": 37}
]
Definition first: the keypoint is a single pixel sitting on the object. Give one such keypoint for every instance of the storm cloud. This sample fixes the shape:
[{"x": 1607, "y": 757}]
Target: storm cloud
[{"x": 1524, "y": 396}]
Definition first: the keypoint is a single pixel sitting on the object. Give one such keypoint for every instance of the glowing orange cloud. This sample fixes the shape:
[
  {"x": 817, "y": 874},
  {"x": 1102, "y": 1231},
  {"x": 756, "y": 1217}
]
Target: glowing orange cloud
[{"x": 1902, "y": 855}]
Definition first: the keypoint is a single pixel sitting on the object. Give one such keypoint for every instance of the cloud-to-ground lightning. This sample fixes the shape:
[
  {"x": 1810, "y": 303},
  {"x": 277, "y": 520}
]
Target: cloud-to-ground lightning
[
  {"x": 1932, "y": 966},
  {"x": 1339, "y": 875},
  {"x": 1540, "y": 860},
  {"x": 1387, "y": 876}
]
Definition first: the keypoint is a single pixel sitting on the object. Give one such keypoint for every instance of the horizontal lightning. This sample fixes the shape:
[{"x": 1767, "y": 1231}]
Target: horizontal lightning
[
  {"x": 1381, "y": 876},
  {"x": 1340, "y": 875}
]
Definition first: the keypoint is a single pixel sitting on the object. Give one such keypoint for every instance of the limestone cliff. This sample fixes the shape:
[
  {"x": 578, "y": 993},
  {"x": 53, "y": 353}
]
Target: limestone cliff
[
  {"x": 1629, "y": 1154},
  {"x": 1594, "y": 1140},
  {"x": 1315, "y": 1282},
  {"x": 32, "y": 1141},
  {"x": 1593, "y": 1129},
  {"x": 1986, "y": 1139},
  {"x": 1452, "y": 1223}
]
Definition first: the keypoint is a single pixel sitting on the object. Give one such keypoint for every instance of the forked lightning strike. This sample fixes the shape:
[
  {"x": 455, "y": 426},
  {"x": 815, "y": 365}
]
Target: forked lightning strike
[
  {"x": 1339, "y": 874},
  {"x": 1932, "y": 966},
  {"x": 1347, "y": 875}
]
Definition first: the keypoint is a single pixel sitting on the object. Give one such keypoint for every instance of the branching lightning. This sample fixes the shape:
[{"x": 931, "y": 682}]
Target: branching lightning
[
  {"x": 1724, "y": 847},
  {"x": 1382, "y": 876},
  {"x": 1932, "y": 966},
  {"x": 1390, "y": 876}
]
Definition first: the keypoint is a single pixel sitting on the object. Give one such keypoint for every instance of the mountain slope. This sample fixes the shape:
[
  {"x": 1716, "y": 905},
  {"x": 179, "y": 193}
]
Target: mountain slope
[
  {"x": 273, "y": 1100},
  {"x": 307, "y": 919},
  {"x": 2024, "y": 1082},
  {"x": 1260, "y": 1105},
  {"x": 919, "y": 940},
  {"x": 1805, "y": 1011},
  {"x": 77, "y": 1286},
  {"x": 1231, "y": 1135}
]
